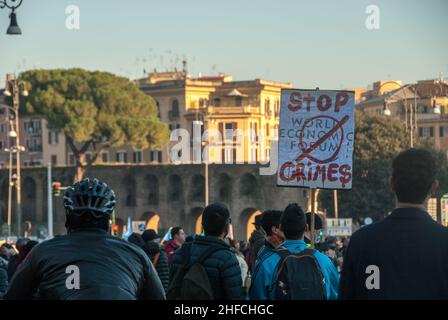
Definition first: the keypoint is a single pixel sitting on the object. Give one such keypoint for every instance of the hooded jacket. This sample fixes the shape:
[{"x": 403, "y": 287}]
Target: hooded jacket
[
  {"x": 263, "y": 277},
  {"x": 256, "y": 241},
  {"x": 162, "y": 268},
  {"x": 222, "y": 266},
  {"x": 106, "y": 268}
]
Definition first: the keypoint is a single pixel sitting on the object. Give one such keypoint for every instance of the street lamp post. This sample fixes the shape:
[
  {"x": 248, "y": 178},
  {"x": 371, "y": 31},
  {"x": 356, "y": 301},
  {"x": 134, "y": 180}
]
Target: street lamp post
[
  {"x": 387, "y": 112},
  {"x": 15, "y": 89},
  {"x": 13, "y": 28}
]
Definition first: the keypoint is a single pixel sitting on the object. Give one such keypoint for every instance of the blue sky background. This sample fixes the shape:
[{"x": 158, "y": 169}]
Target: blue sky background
[{"x": 309, "y": 43}]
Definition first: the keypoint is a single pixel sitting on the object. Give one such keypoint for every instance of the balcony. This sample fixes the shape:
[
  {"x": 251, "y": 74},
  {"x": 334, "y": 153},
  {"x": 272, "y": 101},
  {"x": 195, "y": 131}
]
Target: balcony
[{"x": 231, "y": 109}]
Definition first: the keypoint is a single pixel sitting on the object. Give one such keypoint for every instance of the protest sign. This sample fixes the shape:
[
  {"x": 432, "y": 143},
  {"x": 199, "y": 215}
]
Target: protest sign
[
  {"x": 444, "y": 207},
  {"x": 316, "y": 138},
  {"x": 138, "y": 226},
  {"x": 339, "y": 227}
]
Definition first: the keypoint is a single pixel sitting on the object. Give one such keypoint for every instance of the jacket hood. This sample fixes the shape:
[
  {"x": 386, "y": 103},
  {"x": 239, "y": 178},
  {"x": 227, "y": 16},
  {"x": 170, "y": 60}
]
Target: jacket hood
[{"x": 257, "y": 235}]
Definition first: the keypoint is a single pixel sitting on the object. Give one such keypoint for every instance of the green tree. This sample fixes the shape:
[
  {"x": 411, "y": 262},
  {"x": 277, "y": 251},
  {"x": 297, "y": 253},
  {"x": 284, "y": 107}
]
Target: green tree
[
  {"x": 378, "y": 140},
  {"x": 95, "y": 110}
]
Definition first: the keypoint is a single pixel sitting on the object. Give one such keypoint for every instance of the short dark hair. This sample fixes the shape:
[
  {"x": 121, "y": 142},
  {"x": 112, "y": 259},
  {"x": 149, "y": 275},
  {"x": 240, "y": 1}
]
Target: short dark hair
[
  {"x": 215, "y": 219},
  {"x": 293, "y": 222},
  {"x": 318, "y": 224},
  {"x": 269, "y": 219},
  {"x": 175, "y": 231},
  {"x": 413, "y": 172}
]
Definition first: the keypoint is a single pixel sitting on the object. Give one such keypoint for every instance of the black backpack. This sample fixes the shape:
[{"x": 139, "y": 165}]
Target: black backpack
[
  {"x": 191, "y": 281},
  {"x": 299, "y": 276}
]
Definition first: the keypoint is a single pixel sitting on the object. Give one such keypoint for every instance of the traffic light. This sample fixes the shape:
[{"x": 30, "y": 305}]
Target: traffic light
[
  {"x": 115, "y": 230},
  {"x": 56, "y": 189}
]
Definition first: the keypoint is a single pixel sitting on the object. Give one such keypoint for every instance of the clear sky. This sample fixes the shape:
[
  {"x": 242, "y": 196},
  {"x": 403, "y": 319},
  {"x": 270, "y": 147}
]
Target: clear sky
[{"x": 310, "y": 43}]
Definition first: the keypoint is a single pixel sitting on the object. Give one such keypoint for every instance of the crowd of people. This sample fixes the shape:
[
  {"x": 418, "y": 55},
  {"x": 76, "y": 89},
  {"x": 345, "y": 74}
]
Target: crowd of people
[{"x": 279, "y": 262}]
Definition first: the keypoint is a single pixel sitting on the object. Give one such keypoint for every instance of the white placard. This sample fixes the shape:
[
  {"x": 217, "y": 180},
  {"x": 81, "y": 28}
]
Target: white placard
[
  {"x": 316, "y": 138},
  {"x": 339, "y": 227},
  {"x": 138, "y": 226}
]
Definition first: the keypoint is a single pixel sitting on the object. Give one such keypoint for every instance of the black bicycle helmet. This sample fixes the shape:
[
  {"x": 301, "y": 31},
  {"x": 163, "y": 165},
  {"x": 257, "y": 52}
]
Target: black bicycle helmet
[{"x": 89, "y": 195}]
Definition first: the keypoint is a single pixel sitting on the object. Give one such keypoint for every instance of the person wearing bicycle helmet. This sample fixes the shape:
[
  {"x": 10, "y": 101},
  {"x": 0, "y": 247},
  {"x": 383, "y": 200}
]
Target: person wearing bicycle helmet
[{"x": 87, "y": 263}]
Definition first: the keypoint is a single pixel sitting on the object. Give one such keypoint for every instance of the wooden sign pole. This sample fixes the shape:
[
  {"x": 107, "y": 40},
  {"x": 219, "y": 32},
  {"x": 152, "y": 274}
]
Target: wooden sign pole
[{"x": 313, "y": 210}]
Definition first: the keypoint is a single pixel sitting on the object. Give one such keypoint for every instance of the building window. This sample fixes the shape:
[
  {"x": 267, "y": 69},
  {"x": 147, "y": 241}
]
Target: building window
[
  {"x": 441, "y": 131},
  {"x": 267, "y": 106},
  {"x": 155, "y": 156},
  {"x": 277, "y": 107},
  {"x": 54, "y": 159},
  {"x": 431, "y": 132},
  {"x": 238, "y": 101},
  {"x": 71, "y": 158},
  {"x": 105, "y": 157},
  {"x": 158, "y": 109},
  {"x": 2, "y": 127},
  {"x": 267, "y": 130},
  {"x": 52, "y": 137},
  {"x": 253, "y": 155},
  {"x": 122, "y": 156},
  {"x": 88, "y": 157},
  {"x": 253, "y": 132},
  {"x": 137, "y": 156},
  {"x": 216, "y": 102},
  {"x": 229, "y": 155},
  {"x": 2, "y": 145}
]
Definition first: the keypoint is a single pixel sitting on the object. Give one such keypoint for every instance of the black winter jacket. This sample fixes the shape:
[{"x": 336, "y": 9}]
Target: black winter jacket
[
  {"x": 162, "y": 268},
  {"x": 222, "y": 267},
  {"x": 109, "y": 269}
]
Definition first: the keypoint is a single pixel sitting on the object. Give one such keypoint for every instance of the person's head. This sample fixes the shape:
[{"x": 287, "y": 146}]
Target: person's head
[
  {"x": 136, "y": 239},
  {"x": 178, "y": 235},
  {"x": 318, "y": 225},
  {"x": 257, "y": 222},
  {"x": 27, "y": 248},
  {"x": 293, "y": 222},
  {"x": 413, "y": 177},
  {"x": 327, "y": 249},
  {"x": 20, "y": 244},
  {"x": 270, "y": 222},
  {"x": 7, "y": 250},
  {"x": 88, "y": 204},
  {"x": 216, "y": 220},
  {"x": 150, "y": 235}
]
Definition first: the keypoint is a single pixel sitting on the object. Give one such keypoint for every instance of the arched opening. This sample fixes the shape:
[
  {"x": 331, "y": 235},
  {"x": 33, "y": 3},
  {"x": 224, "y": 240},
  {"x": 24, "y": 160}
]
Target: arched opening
[
  {"x": 249, "y": 185},
  {"x": 197, "y": 188},
  {"x": 152, "y": 220},
  {"x": 247, "y": 219},
  {"x": 130, "y": 193},
  {"x": 29, "y": 200},
  {"x": 224, "y": 188},
  {"x": 152, "y": 184},
  {"x": 196, "y": 213},
  {"x": 175, "y": 188}
]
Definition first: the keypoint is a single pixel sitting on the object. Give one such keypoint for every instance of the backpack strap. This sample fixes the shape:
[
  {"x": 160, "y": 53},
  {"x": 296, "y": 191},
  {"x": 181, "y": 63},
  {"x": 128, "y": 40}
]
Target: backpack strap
[{"x": 283, "y": 252}]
